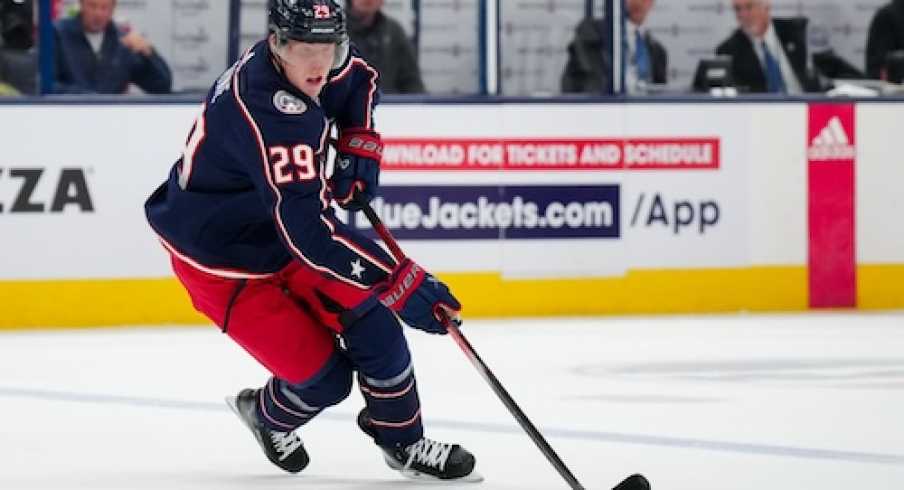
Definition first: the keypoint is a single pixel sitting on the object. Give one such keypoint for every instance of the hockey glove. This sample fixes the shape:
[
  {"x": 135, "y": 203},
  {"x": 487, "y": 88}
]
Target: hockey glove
[
  {"x": 419, "y": 299},
  {"x": 357, "y": 167}
]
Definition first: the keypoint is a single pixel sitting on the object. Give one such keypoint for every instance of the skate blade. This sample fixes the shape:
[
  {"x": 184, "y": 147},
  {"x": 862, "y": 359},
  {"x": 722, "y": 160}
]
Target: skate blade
[
  {"x": 233, "y": 404},
  {"x": 472, "y": 477}
]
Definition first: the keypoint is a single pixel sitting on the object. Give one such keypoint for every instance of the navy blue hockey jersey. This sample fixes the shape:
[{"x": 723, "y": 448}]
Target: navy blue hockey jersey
[{"x": 250, "y": 194}]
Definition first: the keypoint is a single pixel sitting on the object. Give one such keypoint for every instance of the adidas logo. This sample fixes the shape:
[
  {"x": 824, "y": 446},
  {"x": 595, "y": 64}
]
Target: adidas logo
[{"x": 832, "y": 143}]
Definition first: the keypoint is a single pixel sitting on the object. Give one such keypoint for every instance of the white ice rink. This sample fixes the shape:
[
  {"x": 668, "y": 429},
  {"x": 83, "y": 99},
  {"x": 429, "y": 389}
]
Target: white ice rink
[{"x": 750, "y": 402}]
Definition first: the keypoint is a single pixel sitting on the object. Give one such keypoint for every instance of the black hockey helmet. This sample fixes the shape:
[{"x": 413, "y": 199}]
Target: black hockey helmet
[{"x": 310, "y": 21}]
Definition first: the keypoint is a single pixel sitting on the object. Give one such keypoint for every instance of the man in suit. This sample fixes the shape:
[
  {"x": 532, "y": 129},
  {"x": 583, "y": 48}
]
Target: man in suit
[
  {"x": 886, "y": 35},
  {"x": 587, "y": 68},
  {"x": 767, "y": 54}
]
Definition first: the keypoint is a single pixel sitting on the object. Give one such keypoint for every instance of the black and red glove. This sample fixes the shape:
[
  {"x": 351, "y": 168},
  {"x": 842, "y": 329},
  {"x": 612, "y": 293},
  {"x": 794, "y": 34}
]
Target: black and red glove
[
  {"x": 357, "y": 167},
  {"x": 419, "y": 298}
]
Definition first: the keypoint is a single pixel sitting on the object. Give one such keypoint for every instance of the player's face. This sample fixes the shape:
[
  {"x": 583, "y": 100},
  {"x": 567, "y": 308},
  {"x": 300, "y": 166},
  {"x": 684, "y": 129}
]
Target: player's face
[
  {"x": 96, "y": 14},
  {"x": 306, "y": 65}
]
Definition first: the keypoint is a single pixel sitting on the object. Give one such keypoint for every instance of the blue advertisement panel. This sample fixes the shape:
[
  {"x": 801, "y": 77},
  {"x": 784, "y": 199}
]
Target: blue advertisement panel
[{"x": 493, "y": 212}]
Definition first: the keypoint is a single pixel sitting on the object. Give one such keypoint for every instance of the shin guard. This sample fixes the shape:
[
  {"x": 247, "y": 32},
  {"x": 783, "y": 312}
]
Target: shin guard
[
  {"x": 284, "y": 406},
  {"x": 379, "y": 352}
]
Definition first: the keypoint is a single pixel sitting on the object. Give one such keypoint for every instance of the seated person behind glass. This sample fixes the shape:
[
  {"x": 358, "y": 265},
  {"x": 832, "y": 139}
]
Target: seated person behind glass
[
  {"x": 18, "y": 65},
  {"x": 767, "y": 54},
  {"x": 588, "y": 65},
  {"x": 94, "y": 56},
  {"x": 16, "y": 24},
  {"x": 385, "y": 46},
  {"x": 886, "y": 36}
]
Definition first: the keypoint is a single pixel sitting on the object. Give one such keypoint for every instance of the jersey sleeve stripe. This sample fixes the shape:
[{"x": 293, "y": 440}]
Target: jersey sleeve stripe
[
  {"x": 387, "y": 268},
  {"x": 372, "y": 90}
]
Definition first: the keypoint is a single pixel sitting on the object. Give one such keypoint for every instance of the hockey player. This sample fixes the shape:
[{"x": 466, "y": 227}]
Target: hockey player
[{"x": 247, "y": 219}]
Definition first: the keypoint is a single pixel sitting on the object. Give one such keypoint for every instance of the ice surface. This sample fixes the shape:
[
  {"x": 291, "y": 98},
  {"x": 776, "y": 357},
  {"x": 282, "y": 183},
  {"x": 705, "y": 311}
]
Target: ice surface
[{"x": 736, "y": 402}]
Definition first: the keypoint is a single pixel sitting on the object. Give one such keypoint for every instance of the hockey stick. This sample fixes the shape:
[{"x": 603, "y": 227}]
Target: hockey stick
[{"x": 633, "y": 482}]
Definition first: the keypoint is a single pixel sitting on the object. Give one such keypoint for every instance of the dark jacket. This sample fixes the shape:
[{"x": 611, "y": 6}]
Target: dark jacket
[
  {"x": 386, "y": 47},
  {"x": 588, "y": 65},
  {"x": 16, "y": 24},
  {"x": 19, "y": 70},
  {"x": 886, "y": 34},
  {"x": 747, "y": 69},
  {"x": 18, "y": 62},
  {"x": 79, "y": 70}
]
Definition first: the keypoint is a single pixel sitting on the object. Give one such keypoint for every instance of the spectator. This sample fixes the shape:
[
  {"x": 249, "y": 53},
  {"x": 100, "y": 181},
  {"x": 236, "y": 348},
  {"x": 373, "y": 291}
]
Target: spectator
[
  {"x": 18, "y": 71},
  {"x": 18, "y": 67},
  {"x": 94, "y": 55},
  {"x": 587, "y": 68},
  {"x": 385, "y": 46},
  {"x": 17, "y": 24},
  {"x": 886, "y": 35},
  {"x": 767, "y": 54}
]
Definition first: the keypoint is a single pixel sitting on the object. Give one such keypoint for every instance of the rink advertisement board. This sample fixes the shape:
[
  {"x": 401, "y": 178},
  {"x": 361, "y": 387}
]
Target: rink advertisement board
[
  {"x": 831, "y": 158},
  {"x": 426, "y": 154},
  {"x": 496, "y": 212},
  {"x": 74, "y": 200},
  {"x": 524, "y": 209},
  {"x": 680, "y": 188}
]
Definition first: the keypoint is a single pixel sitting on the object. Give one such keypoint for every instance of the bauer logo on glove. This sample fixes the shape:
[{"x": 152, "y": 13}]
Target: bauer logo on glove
[
  {"x": 402, "y": 286},
  {"x": 420, "y": 299},
  {"x": 366, "y": 146},
  {"x": 360, "y": 151}
]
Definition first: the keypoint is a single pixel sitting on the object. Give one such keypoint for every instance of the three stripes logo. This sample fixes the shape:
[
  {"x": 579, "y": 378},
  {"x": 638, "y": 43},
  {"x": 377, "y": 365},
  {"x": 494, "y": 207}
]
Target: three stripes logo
[{"x": 832, "y": 143}]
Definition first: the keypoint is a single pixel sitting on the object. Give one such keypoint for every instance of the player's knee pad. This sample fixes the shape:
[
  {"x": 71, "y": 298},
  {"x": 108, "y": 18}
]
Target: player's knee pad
[{"x": 287, "y": 406}]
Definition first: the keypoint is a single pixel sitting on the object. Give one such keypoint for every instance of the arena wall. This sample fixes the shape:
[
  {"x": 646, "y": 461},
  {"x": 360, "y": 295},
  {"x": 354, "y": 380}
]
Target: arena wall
[{"x": 524, "y": 208}]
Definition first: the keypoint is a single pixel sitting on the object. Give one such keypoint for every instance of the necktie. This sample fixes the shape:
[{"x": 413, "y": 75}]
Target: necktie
[
  {"x": 642, "y": 57},
  {"x": 774, "y": 81}
]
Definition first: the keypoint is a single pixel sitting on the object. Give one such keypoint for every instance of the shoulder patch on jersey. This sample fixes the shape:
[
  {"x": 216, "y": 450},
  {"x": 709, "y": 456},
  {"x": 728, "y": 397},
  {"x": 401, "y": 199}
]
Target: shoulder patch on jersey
[{"x": 288, "y": 103}]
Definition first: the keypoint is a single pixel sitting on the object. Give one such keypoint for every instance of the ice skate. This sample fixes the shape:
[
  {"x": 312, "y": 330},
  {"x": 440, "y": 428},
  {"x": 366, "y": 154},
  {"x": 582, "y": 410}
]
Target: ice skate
[
  {"x": 284, "y": 449},
  {"x": 426, "y": 459}
]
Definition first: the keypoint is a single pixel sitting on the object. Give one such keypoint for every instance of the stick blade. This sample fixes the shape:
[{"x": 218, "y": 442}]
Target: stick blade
[{"x": 633, "y": 482}]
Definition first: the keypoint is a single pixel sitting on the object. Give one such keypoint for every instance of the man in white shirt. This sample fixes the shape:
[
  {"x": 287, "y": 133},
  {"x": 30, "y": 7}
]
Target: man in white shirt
[
  {"x": 588, "y": 64},
  {"x": 645, "y": 60},
  {"x": 94, "y": 55},
  {"x": 768, "y": 54}
]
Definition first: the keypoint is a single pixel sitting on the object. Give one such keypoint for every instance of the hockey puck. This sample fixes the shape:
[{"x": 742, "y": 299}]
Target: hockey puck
[{"x": 633, "y": 482}]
